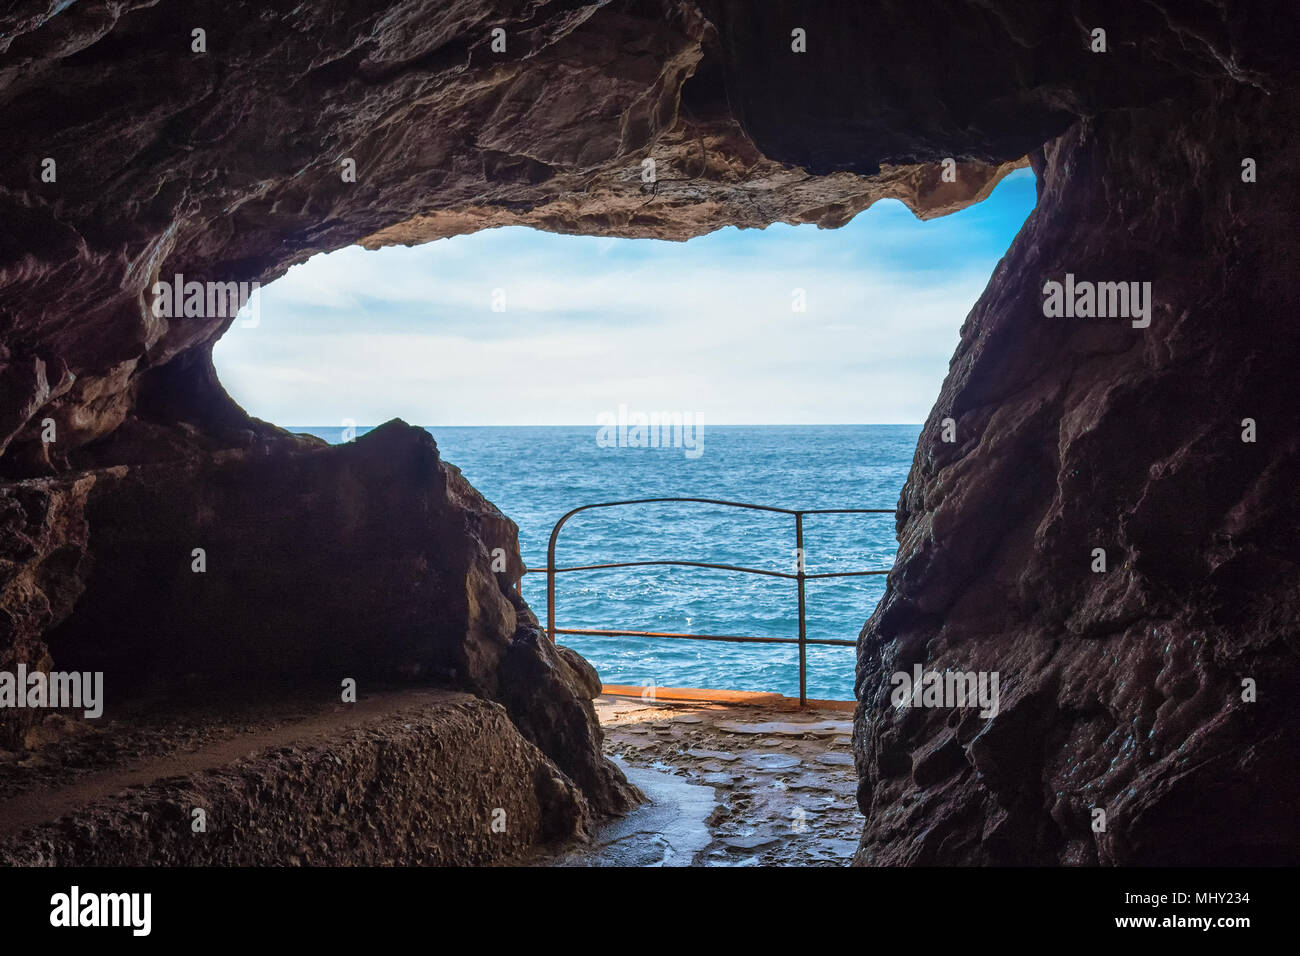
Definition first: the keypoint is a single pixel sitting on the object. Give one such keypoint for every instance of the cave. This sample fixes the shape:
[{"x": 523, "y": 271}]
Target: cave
[{"x": 226, "y": 142}]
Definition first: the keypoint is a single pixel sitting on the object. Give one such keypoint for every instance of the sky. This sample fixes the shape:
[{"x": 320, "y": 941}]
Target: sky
[{"x": 513, "y": 326}]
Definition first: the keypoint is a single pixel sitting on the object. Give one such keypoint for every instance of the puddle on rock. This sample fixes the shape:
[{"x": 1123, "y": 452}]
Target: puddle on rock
[{"x": 669, "y": 829}]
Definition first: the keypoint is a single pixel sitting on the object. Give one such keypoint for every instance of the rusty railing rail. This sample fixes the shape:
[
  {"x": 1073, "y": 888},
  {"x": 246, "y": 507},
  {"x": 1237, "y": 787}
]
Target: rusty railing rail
[{"x": 800, "y": 575}]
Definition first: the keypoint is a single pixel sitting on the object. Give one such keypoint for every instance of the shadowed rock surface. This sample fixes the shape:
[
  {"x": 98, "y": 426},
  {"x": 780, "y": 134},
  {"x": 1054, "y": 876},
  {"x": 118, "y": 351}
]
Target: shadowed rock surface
[
  {"x": 1121, "y": 690},
  {"x": 425, "y": 778},
  {"x": 370, "y": 561}
]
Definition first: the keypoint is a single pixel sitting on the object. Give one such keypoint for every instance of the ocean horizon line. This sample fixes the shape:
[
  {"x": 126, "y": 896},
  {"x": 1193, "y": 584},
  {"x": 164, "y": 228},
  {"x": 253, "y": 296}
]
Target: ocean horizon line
[{"x": 596, "y": 425}]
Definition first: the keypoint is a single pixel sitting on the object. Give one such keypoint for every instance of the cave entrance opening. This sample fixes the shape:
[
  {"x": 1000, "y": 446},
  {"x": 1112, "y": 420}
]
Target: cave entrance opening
[{"x": 790, "y": 367}]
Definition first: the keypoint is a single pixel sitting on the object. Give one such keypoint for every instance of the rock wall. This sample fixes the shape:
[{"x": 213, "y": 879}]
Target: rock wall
[
  {"x": 1121, "y": 690},
  {"x": 287, "y": 564}
]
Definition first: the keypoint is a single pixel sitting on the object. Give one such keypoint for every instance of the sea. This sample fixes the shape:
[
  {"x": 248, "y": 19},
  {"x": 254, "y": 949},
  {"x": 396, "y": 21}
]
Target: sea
[{"x": 535, "y": 474}]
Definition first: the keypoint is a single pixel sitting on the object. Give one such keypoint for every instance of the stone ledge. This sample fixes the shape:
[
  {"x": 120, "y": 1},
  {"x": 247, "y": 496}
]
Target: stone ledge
[{"x": 408, "y": 778}]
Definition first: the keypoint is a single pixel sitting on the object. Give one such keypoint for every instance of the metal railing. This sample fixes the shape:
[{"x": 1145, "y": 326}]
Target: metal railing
[{"x": 799, "y": 575}]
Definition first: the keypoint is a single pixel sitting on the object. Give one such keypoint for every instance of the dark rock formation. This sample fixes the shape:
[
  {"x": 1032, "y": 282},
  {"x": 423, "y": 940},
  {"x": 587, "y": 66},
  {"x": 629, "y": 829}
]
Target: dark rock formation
[
  {"x": 366, "y": 560},
  {"x": 371, "y": 560},
  {"x": 43, "y": 561},
  {"x": 548, "y": 691},
  {"x": 418, "y": 778},
  {"x": 1121, "y": 690}
]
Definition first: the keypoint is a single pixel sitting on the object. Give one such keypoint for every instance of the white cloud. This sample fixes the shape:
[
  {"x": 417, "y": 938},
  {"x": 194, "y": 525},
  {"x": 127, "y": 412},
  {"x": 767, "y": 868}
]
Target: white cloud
[{"x": 591, "y": 323}]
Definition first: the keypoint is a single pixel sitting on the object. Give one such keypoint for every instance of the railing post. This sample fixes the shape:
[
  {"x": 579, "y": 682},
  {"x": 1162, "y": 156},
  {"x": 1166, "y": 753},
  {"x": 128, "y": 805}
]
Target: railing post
[
  {"x": 550, "y": 582},
  {"x": 803, "y": 632}
]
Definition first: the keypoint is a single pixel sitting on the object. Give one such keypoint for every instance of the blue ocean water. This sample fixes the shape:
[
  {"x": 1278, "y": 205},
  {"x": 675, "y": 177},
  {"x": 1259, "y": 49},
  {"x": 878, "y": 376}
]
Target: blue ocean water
[{"x": 536, "y": 474}]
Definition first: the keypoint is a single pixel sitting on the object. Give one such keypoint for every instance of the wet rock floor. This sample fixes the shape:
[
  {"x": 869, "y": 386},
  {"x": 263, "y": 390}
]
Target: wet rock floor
[{"x": 728, "y": 786}]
